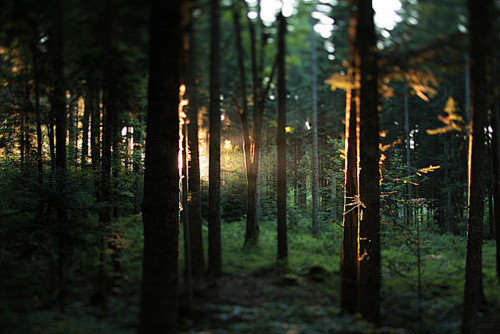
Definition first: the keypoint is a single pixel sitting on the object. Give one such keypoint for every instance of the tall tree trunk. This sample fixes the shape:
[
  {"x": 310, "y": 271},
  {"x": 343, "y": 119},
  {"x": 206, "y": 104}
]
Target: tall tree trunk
[
  {"x": 214, "y": 215},
  {"x": 85, "y": 131},
  {"x": 409, "y": 192},
  {"x": 52, "y": 140},
  {"x": 480, "y": 29},
  {"x": 160, "y": 209},
  {"x": 95, "y": 124},
  {"x": 22, "y": 139},
  {"x": 38, "y": 117},
  {"x": 281, "y": 142},
  {"x": 188, "y": 267},
  {"x": 252, "y": 231},
  {"x": 314, "y": 121},
  {"x": 58, "y": 102},
  {"x": 369, "y": 274},
  {"x": 349, "y": 259},
  {"x": 137, "y": 162},
  {"x": 496, "y": 183},
  {"x": 196, "y": 235},
  {"x": 72, "y": 117}
]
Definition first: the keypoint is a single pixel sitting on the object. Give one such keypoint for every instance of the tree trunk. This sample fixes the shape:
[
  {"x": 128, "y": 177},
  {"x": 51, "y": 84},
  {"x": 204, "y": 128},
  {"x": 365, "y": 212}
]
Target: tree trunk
[
  {"x": 409, "y": 192},
  {"x": 349, "y": 259},
  {"x": 369, "y": 274},
  {"x": 214, "y": 215},
  {"x": 196, "y": 235},
  {"x": 281, "y": 142},
  {"x": 52, "y": 140},
  {"x": 496, "y": 184},
  {"x": 188, "y": 263},
  {"x": 85, "y": 131},
  {"x": 314, "y": 121},
  {"x": 161, "y": 178},
  {"x": 480, "y": 28},
  {"x": 38, "y": 118},
  {"x": 252, "y": 229},
  {"x": 58, "y": 102},
  {"x": 137, "y": 163},
  {"x": 72, "y": 121},
  {"x": 95, "y": 124}
]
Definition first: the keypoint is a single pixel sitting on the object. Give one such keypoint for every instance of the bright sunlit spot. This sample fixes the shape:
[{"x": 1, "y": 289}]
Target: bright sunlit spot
[
  {"x": 182, "y": 120},
  {"x": 385, "y": 13}
]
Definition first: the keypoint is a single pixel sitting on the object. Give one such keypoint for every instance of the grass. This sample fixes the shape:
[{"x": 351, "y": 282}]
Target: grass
[{"x": 257, "y": 295}]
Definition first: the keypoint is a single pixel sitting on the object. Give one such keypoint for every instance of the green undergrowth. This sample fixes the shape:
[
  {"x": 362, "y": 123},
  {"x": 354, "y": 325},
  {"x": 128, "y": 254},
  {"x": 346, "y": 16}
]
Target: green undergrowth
[{"x": 256, "y": 294}]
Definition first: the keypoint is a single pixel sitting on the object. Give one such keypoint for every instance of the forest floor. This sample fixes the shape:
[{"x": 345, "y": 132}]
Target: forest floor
[
  {"x": 255, "y": 294},
  {"x": 274, "y": 300}
]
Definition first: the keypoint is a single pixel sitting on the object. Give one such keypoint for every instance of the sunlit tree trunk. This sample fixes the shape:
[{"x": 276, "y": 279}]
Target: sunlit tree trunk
[
  {"x": 137, "y": 162},
  {"x": 95, "y": 123},
  {"x": 160, "y": 207},
  {"x": 281, "y": 143},
  {"x": 252, "y": 139},
  {"x": 72, "y": 133},
  {"x": 314, "y": 121},
  {"x": 85, "y": 132},
  {"x": 52, "y": 139},
  {"x": 214, "y": 215},
  {"x": 349, "y": 259},
  {"x": 196, "y": 235},
  {"x": 369, "y": 275},
  {"x": 480, "y": 29}
]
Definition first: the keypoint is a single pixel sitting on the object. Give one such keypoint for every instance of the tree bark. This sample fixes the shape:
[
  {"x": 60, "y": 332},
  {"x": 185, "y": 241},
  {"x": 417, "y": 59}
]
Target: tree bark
[
  {"x": 38, "y": 117},
  {"x": 85, "y": 131},
  {"x": 349, "y": 259},
  {"x": 409, "y": 190},
  {"x": 214, "y": 215},
  {"x": 480, "y": 29},
  {"x": 281, "y": 143},
  {"x": 314, "y": 121},
  {"x": 496, "y": 185},
  {"x": 95, "y": 124},
  {"x": 58, "y": 102},
  {"x": 369, "y": 274},
  {"x": 160, "y": 207},
  {"x": 196, "y": 235},
  {"x": 137, "y": 162}
]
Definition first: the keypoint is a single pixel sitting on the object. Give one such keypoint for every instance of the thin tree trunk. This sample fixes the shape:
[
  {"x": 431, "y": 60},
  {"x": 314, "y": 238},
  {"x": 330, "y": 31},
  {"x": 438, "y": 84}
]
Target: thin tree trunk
[
  {"x": 188, "y": 268},
  {"x": 214, "y": 215},
  {"x": 349, "y": 259},
  {"x": 95, "y": 124},
  {"x": 369, "y": 274},
  {"x": 159, "y": 307},
  {"x": 496, "y": 184},
  {"x": 58, "y": 102},
  {"x": 480, "y": 28},
  {"x": 252, "y": 231},
  {"x": 196, "y": 234},
  {"x": 281, "y": 143},
  {"x": 85, "y": 132},
  {"x": 314, "y": 121},
  {"x": 38, "y": 118},
  {"x": 137, "y": 163},
  {"x": 409, "y": 192},
  {"x": 52, "y": 141}
]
